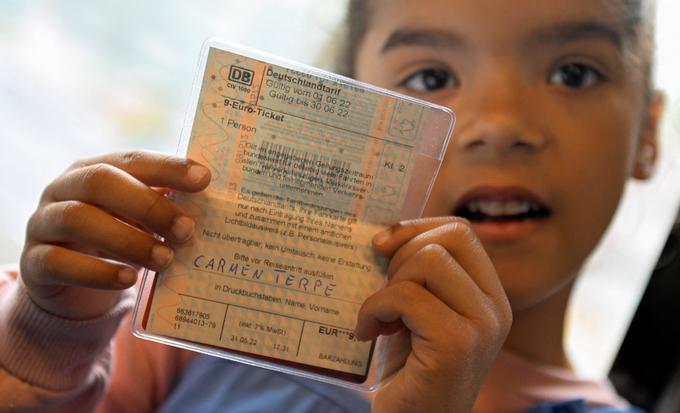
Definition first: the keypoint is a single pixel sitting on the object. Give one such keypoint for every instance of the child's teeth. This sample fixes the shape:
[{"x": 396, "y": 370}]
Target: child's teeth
[
  {"x": 516, "y": 208},
  {"x": 491, "y": 208},
  {"x": 500, "y": 208}
]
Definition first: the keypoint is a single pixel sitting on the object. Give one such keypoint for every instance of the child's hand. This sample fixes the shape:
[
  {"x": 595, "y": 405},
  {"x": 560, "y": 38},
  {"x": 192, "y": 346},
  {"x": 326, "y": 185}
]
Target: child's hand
[
  {"x": 93, "y": 213},
  {"x": 444, "y": 289}
]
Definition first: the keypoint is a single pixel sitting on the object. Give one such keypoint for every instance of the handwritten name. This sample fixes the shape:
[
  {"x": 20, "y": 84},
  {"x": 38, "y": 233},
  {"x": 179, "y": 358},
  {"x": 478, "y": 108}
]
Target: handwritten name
[{"x": 279, "y": 277}]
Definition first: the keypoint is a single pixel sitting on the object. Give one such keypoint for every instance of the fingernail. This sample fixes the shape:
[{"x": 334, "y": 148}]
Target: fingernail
[
  {"x": 127, "y": 276},
  {"x": 382, "y": 237},
  {"x": 196, "y": 173},
  {"x": 161, "y": 255},
  {"x": 183, "y": 228}
]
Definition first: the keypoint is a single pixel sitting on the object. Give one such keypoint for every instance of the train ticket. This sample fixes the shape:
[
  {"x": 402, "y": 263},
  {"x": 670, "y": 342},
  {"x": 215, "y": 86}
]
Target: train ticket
[{"x": 305, "y": 170}]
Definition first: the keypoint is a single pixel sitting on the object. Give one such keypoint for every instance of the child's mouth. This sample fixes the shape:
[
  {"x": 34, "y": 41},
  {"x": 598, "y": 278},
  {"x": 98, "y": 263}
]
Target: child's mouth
[
  {"x": 495, "y": 210},
  {"x": 502, "y": 214}
]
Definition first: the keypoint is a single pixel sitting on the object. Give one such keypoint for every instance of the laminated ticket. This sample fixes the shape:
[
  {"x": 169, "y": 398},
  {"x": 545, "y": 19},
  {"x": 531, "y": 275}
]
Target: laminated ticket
[{"x": 306, "y": 167}]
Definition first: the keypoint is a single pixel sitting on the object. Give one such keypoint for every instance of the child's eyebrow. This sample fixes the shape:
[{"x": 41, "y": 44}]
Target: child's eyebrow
[
  {"x": 422, "y": 37},
  {"x": 574, "y": 31},
  {"x": 559, "y": 34}
]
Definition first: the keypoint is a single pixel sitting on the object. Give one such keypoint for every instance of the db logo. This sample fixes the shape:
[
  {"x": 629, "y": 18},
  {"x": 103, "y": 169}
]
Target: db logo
[{"x": 241, "y": 75}]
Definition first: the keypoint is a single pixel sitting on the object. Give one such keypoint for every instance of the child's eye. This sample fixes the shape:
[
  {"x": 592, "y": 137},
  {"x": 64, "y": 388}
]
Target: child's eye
[
  {"x": 427, "y": 80},
  {"x": 575, "y": 75}
]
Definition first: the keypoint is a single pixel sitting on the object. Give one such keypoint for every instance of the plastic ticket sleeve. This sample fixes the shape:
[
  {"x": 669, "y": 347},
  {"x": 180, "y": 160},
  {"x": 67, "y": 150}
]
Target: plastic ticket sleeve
[{"x": 306, "y": 168}]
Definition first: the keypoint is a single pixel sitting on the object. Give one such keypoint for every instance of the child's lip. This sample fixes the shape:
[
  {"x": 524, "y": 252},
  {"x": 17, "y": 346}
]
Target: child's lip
[
  {"x": 530, "y": 208},
  {"x": 504, "y": 232}
]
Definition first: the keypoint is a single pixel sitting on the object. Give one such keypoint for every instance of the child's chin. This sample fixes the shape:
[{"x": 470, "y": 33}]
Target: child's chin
[{"x": 526, "y": 291}]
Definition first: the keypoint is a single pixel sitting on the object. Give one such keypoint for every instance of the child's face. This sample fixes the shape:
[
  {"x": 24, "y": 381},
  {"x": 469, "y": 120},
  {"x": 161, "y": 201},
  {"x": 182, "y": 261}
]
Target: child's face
[{"x": 551, "y": 121}]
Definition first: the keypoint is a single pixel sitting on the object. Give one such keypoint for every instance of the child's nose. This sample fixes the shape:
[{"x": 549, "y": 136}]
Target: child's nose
[{"x": 501, "y": 120}]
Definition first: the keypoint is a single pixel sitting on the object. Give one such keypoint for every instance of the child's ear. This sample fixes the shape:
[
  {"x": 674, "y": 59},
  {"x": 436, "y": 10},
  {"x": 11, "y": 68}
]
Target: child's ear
[{"x": 648, "y": 147}]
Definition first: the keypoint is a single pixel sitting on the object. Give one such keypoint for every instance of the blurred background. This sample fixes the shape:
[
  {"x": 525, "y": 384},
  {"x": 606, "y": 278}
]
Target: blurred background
[{"x": 79, "y": 78}]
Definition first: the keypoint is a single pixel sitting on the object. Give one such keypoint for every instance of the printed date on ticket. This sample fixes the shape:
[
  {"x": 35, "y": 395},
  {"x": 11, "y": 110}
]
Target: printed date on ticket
[{"x": 305, "y": 170}]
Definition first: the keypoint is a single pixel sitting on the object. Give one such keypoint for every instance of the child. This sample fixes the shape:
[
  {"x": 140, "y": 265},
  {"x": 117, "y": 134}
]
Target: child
[{"x": 555, "y": 112}]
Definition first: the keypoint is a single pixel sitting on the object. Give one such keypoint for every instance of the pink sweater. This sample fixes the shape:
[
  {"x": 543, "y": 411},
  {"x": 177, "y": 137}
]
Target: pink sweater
[{"x": 50, "y": 364}]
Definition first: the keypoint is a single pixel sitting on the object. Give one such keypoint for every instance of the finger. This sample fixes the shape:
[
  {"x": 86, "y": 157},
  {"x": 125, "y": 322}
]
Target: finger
[
  {"x": 54, "y": 265},
  {"x": 84, "y": 224},
  {"x": 390, "y": 240},
  {"x": 420, "y": 311},
  {"x": 155, "y": 169},
  {"x": 118, "y": 192},
  {"x": 438, "y": 272},
  {"x": 459, "y": 239}
]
